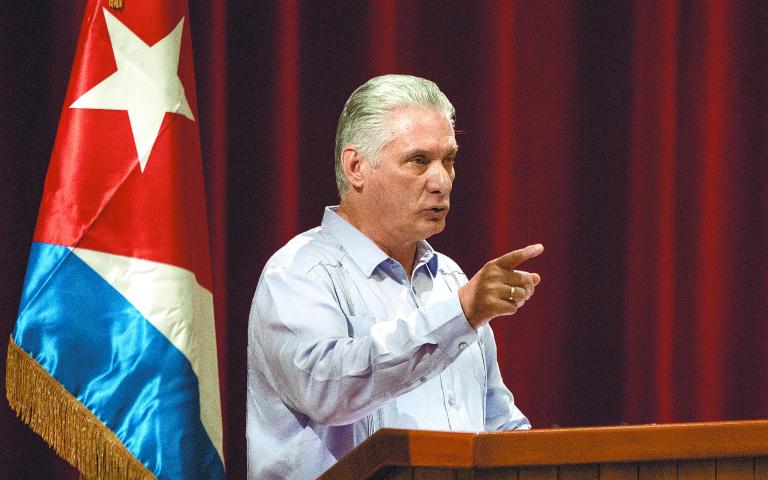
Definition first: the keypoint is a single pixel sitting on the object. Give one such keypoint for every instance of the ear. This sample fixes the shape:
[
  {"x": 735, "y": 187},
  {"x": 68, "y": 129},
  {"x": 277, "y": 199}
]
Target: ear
[{"x": 354, "y": 165}]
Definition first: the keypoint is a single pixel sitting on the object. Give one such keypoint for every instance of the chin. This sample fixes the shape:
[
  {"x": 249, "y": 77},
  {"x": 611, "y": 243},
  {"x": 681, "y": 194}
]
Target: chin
[{"x": 434, "y": 228}]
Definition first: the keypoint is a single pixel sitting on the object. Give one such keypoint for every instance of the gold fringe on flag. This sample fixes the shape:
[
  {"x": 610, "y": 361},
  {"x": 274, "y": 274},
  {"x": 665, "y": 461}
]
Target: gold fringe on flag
[
  {"x": 116, "y": 4},
  {"x": 73, "y": 432}
]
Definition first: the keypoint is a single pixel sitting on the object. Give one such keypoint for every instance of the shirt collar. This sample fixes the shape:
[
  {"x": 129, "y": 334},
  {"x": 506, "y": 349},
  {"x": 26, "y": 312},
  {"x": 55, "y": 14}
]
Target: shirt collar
[
  {"x": 425, "y": 255},
  {"x": 363, "y": 251}
]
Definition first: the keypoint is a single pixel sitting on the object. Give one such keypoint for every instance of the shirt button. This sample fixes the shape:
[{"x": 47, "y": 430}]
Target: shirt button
[
  {"x": 451, "y": 401},
  {"x": 462, "y": 345},
  {"x": 423, "y": 379}
]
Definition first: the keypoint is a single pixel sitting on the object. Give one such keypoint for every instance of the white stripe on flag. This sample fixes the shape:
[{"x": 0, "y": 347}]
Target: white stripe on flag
[{"x": 181, "y": 309}]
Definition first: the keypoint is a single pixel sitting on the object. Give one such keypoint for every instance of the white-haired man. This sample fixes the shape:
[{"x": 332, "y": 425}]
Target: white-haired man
[{"x": 359, "y": 324}]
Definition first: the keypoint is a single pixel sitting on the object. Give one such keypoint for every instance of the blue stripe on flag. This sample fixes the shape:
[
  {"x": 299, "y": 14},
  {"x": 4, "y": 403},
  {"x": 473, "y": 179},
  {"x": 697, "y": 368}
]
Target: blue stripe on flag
[{"x": 106, "y": 354}]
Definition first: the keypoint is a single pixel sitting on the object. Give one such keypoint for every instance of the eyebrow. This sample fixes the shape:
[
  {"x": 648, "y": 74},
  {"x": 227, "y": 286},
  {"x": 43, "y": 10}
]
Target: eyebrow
[{"x": 423, "y": 153}]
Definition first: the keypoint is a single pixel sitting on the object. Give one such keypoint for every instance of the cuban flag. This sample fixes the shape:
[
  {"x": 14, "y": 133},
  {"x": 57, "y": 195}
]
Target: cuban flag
[{"x": 113, "y": 356}]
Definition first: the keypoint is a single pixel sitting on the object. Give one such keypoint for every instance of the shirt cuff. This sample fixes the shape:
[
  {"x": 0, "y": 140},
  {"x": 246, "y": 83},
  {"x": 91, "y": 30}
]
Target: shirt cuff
[{"x": 448, "y": 326}]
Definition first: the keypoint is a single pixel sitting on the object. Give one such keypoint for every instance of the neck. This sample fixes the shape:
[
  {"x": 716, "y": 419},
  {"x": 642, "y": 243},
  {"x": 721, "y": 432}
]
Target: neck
[{"x": 402, "y": 252}]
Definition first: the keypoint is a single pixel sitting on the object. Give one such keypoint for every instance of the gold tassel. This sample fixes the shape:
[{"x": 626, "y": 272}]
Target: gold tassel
[
  {"x": 116, "y": 4},
  {"x": 71, "y": 430}
]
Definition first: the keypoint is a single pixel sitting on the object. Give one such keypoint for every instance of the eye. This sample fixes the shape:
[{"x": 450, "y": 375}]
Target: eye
[{"x": 420, "y": 160}]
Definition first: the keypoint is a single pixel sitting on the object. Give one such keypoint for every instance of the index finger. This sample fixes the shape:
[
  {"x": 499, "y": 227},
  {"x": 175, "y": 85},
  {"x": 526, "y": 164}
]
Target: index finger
[{"x": 516, "y": 257}]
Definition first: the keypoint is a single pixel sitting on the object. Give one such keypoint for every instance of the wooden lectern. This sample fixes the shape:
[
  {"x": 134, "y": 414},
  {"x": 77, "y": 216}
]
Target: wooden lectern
[{"x": 692, "y": 451}]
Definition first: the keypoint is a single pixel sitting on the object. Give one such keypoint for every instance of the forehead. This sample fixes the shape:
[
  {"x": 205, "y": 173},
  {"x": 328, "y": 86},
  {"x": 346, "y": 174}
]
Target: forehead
[{"x": 420, "y": 129}]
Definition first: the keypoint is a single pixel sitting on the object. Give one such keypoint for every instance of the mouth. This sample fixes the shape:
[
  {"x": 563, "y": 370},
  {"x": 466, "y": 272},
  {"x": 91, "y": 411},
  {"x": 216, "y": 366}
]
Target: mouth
[{"x": 437, "y": 210}]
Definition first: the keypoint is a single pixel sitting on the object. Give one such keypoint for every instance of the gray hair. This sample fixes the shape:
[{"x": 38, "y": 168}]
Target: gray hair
[{"x": 363, "y": 120}]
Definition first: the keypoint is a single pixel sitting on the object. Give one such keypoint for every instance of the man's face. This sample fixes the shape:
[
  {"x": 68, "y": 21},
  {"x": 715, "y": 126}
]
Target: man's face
[{"x": 409, "y": 191}]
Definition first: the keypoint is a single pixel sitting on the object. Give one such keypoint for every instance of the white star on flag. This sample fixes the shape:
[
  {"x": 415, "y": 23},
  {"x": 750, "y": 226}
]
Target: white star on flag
[{"x": 146, "y": 83}]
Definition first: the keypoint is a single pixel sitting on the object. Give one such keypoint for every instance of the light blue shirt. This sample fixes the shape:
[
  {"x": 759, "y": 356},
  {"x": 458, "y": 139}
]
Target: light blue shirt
[{"x": 342, "y": 343}]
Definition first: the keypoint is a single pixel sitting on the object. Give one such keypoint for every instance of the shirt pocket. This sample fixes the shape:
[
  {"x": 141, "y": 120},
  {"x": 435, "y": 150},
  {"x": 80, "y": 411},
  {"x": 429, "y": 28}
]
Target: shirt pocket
[
  {"x": 351, "y": 301},
  {"x": 360, "y": 325}
]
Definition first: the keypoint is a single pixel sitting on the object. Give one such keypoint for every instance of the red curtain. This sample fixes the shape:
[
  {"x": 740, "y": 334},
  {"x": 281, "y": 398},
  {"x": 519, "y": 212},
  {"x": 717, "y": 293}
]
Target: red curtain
[{"x": 627, "y": 137}]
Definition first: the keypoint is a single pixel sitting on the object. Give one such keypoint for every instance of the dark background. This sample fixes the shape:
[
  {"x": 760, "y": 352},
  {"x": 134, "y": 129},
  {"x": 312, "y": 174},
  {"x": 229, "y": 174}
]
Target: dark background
[{"x": 627, "y": 137}]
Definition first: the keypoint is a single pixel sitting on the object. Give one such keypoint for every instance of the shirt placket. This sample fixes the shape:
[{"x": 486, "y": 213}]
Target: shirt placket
[{"x": 422, "y": 283}]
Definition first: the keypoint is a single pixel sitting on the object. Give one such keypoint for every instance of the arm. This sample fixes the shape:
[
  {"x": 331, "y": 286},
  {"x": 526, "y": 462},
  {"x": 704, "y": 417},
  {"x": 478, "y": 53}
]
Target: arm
[{"x": 310, "y": 359}]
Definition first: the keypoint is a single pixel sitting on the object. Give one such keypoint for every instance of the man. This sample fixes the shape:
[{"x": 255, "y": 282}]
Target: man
[{"x": 359, "y": 324}]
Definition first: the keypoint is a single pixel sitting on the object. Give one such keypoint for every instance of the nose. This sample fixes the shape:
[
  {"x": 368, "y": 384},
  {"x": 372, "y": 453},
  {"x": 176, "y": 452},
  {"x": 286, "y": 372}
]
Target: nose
[{"x": 440, "y": 178}]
